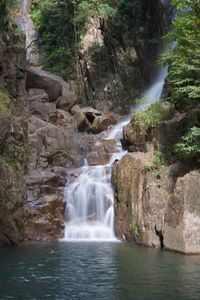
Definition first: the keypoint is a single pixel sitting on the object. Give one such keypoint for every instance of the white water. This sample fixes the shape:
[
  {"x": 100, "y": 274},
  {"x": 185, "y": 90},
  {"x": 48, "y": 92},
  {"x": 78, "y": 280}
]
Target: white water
[{"x": 90, "y": 201}]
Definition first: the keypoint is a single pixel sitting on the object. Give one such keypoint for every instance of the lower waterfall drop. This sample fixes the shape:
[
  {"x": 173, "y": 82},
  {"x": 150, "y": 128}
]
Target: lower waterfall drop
[{"x": 89, "y": 212}]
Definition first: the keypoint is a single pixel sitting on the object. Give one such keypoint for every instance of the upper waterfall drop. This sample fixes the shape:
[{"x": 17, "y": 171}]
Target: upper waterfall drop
[{"x": 89, "y": 212}]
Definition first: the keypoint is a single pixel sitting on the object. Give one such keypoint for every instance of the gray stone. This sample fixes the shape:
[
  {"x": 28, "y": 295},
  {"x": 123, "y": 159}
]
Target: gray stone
[{"x": 54, "y": 85}]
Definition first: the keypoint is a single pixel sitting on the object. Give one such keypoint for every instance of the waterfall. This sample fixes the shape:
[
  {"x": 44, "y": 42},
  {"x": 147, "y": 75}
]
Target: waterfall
[
  {"x": 25, "y": 23},
  {"x": 89, "y": 212}
]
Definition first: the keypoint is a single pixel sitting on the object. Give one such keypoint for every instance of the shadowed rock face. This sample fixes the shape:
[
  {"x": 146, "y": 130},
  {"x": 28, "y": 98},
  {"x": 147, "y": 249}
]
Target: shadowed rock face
[{"x": 13, "y": 138}]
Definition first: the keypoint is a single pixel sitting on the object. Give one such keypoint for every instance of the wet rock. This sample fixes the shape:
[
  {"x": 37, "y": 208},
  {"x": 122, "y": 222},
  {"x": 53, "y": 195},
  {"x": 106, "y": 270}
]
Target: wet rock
[
  {"x": 101, "y": 151},
  {"x": 102, "y": 123},
  {"x": 44, "y": 218}
]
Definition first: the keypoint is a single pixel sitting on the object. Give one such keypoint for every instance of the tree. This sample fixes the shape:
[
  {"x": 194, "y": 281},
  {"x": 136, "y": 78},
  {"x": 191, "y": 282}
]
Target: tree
[{"x": 184, "y": 60}]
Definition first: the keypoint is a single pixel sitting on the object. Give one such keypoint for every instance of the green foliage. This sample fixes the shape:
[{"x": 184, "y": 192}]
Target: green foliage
[
  {"x": 135, "y": 229},
  {"x": 152, "y": 116},
  {"x": 4, "y": 104},
  {"x": 5, "y": 7},
  {"x": 157, "y": 161},
  {"x": 190, "y": 142},
  {"x": 184, "y": 60}
]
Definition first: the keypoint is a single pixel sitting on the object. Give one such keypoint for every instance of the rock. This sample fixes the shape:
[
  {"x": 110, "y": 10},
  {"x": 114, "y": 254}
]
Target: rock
[
  {"x": 170, "y": 131},
  {"x": 182, "y": 219},
  {"x": 65, "y": 120},
  {"x": 45, "y": 218},
  {"x": 139, "y": 133},
  {"x": 100, "y": 152},
  {"x": 82, "y": 122},
  {"x": 44, "y": 177},
  {"x": 128, "y": 182},
  {"x": 45, "y": 111},
  {"x": 52, "y": 144},
  {"x": 35, "y": 123},
  {"x": 37, "y": 94},
  {"x": 54, "y": 85},
  {"x": 133, "y": 138},
  {"x": 96, "y": 158},
  {"x": 13, "y": 137},
  {"x": 91, "y": 120},
  {"x": 102, "y": 123},
  {"x": 155, "y": 208},
  {"x": 65, "y": 103},
  {"x": 75, "y": 109},
  {"x": 4, "y": 129},
  {"x": 84, "y": 117},
  {"x": 59, "y": 171}
]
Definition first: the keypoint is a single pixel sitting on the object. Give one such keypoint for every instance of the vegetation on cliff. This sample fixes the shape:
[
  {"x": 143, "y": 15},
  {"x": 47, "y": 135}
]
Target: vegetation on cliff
[
  {"x": 61, "y": 34},
  {"x": 184, "y": 69},
  {"x": 184, "y": 60},
  {"x": 60, "y": 40}
]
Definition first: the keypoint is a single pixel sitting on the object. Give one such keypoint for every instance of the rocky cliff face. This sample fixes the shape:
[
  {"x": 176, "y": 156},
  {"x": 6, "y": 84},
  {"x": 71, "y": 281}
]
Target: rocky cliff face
[
  {"x": 119, "y": 55},
  {"x": 13, "y": 135},
  {"x": 158, "y": 205}
]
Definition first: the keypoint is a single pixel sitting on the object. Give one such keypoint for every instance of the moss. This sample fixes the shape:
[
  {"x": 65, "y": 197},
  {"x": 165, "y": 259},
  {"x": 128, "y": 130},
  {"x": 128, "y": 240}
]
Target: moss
[
  {"x": 4, "y": 104},
  {"x": 57, "y": 157},
  {"x": 157, "y": 161}
]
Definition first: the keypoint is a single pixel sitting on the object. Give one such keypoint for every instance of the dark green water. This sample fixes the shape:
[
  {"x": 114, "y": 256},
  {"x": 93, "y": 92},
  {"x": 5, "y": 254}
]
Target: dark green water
[{"x": 99, "y": 271}]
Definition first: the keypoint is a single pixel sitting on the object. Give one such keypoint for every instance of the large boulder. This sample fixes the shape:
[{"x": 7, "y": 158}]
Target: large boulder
[
  {"x": 182, "y": 219},
  {"x": 92, "y": 120},
  {"x": 154, "y": 208},
  {"x": 54, "y": 85}
]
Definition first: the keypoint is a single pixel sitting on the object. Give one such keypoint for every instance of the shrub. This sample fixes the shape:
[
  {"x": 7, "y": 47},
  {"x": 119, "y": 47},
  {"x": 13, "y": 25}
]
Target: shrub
[
  {"x": 157, "y": 161},
  {"x": 190, "y": 142},
  {"x": 152, "y": 116}
]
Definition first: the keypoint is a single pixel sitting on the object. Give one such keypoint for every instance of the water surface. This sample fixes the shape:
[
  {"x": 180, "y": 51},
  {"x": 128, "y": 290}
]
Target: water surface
[{"x": 97, "y": 271}]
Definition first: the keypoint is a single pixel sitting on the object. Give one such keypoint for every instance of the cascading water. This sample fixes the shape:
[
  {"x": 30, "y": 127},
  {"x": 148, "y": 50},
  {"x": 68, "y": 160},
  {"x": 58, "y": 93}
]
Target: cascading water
[
  {"x": 90, "y": 201},
  {"x": 25, "y": 23}
]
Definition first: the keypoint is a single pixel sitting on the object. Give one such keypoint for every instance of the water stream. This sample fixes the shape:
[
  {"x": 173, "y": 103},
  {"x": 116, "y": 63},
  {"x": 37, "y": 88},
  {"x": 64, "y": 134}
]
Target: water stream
[{"x": 89, "y": 211}]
